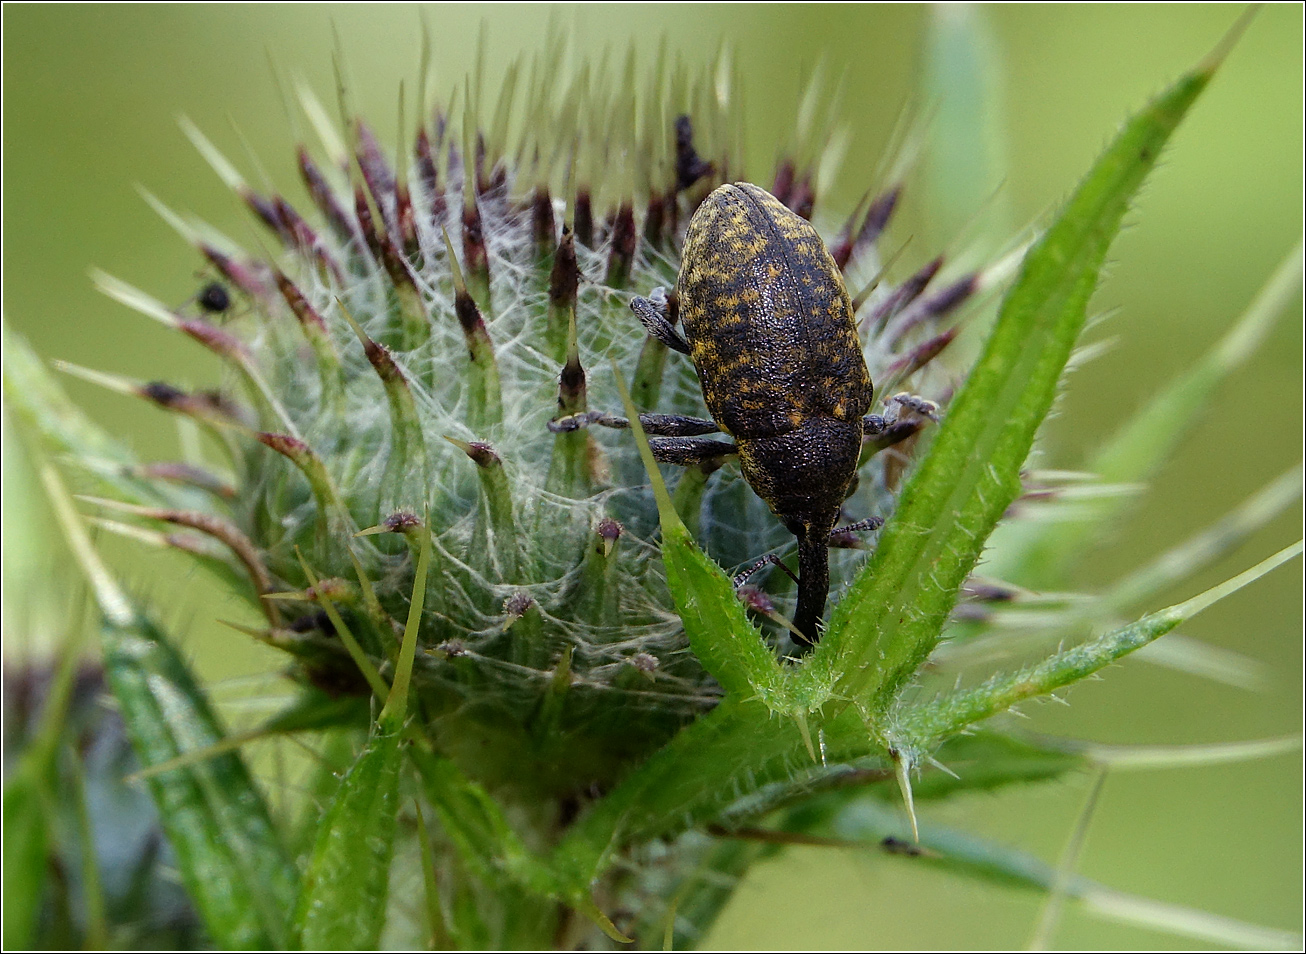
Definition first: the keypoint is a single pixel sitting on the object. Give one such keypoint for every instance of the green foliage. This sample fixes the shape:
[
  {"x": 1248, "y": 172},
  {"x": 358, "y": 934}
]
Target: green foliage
[
  {"x": 952, "y": 713},
  {"x": 228, "y": 851},
  {"x": 26, "y": 803},
  {"x": 342, "y": 898}
]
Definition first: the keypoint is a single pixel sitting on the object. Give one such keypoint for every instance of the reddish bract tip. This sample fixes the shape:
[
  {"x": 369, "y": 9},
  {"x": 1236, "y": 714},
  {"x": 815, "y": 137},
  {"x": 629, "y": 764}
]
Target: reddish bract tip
[{"x": 517, "y": 604}]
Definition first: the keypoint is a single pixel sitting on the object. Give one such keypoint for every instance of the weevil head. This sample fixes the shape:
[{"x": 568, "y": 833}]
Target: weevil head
[{"x": 804, "y": 474}]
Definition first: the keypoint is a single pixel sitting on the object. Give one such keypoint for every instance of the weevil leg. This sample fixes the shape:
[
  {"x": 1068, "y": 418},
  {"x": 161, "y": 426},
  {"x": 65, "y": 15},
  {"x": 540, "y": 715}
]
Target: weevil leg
[
  {"x": 677, "y": 425},
  {"x": 846, "y": 537},
  {"x": 662, "y": 425},
  {"x": 685, "y": 451},
  {"x": 870, "y": 523},
  {"x": 654, "y": 313},
  {"x": 881, "y": 433},
  {"x": 743, "y": 576},
  {"x": 920, "y": 405},
  {"x": 884, "y": 431},
  {"x": 874, "y": 425},
  {"x": 574, "y": 422}
]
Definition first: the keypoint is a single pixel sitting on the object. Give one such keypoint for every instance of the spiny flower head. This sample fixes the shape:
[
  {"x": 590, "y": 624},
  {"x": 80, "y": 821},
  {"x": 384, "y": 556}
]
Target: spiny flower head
[{"x": 396, "y": 364}]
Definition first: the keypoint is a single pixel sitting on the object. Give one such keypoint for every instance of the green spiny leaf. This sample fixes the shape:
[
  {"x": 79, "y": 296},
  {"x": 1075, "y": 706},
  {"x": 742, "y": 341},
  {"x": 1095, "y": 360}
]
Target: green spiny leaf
[
  {"x": 335, "y": 753},
  {"x": 891, "y": 618},
  {"x": 736, "y": 758},
  {"x": 313, "y": 710},
  {"x": 954, "y": 711},
  {"x": 396, "y": 704},
  {"x": 725, "y": 641},
  {"x": 983, "y": 761},
  {"x": 230, "y": 856},
  {"x": 343, "y": 902},
  {"x": 987, "y": 760},
  {"x": 229, "y": 853}
]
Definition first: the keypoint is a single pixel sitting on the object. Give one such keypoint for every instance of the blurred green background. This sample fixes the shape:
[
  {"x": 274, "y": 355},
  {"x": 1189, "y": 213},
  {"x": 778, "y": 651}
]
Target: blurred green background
[{"x": 91, "y": 99}]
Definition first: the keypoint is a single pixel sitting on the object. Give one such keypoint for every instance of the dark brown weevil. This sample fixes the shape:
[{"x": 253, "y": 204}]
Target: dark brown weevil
[{"x": 769, "y": 326}]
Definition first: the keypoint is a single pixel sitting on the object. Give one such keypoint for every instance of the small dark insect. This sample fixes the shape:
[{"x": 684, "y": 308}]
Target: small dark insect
[
  {"x": 214, "y": 298},
  {"x": 896, "y": 846},
  {"x": 769, "y": 326}
]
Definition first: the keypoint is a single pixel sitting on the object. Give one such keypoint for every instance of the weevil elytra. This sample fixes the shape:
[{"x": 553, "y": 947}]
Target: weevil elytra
[{"x": 769, "y": 327}]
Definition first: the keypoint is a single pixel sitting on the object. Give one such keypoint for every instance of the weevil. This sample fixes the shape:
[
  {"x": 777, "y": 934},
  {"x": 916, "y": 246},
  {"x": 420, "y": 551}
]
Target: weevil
[
  {"x": 769, "y": 327},
  {"x": 214, "y": 298}
]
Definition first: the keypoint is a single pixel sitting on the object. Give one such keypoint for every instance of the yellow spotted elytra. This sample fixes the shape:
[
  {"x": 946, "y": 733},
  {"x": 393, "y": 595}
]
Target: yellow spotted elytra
[{"x": 769, "y": 326}]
